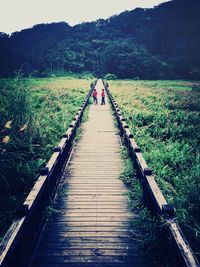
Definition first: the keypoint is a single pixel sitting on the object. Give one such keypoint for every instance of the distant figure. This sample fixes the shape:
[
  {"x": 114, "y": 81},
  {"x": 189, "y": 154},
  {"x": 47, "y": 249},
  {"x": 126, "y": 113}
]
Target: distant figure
[
  {"x": 95, "y": 101},
  {"x": 103, "y": 97}
]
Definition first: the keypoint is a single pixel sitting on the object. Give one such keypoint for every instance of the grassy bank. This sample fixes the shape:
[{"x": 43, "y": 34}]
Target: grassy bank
[
  {"x": 164, "y": 117},
  {"x": 34, "y": 113}
]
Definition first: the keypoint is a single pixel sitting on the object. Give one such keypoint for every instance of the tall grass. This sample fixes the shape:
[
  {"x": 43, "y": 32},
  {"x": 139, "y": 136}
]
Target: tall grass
[
  {"x": 16, "y": 150},
  {"x": 164, "y": 117},
  {"x": 34, "y": 113},
  {"x": 148, "y": 231}
]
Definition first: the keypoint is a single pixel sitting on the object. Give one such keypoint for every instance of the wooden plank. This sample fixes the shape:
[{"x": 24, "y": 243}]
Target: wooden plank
[
  {"x": 142, "y": 163},
  {"x": 106, "y": 206},
  {"x": 90, "y": 218},
  {"x": 87, "y": 163},
  {"x": 57, "y": 251},
  {"x": 83, "y": 186},
  {"x": 52, "y": 161},
  {"x": 85, "y": 264},
  {"x": 68, "y": 133},
  {"x": 84, "y": 182},
  {"x": 114, "y": 213},
  {"x": 88, "y": 224},
  {"x": 134, "y": 145},
  {"x": 97, "y": 198},
  {"x": 128, "y": 133},
  {"x": 10, "y": 238},
  {"x": 89, "y": 245},
  {"x": 84, "y": 229},
  {"x": 155, "y": 192},
  {"x": 62, "y": 143},
  {"x": 182, "y": 244},
  {"x": 98, "y": 176},
  {"x": 95, "y": 192},
  {"x": 85, "y": 240},
  {"x": 39, "y": 185},
  {"x": 90, "y": 206},
  {"x": 92, "y": 188},
  {"x": 95, "y": 259}
]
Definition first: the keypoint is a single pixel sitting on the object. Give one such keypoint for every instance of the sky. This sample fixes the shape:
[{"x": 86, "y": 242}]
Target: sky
[{"x": 16, "y": 15}]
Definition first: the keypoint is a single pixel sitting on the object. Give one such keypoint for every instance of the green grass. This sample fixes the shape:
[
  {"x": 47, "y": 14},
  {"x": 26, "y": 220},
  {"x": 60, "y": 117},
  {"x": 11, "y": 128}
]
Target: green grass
[
  {"x": 148, "y": 230},
  {"x": 164, "y": 117},
  {"x": 34, "y": 113}
]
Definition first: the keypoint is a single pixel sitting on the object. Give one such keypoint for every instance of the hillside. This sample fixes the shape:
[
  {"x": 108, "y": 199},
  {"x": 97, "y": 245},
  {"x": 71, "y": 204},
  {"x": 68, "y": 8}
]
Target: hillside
[{"x": 157, "y": 43}]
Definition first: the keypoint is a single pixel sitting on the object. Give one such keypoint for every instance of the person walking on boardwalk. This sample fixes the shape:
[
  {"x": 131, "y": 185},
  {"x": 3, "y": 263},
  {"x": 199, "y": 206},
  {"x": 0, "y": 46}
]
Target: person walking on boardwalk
[
  {"x": 95, "y": 101},
  {"x": 103, "y": 97}
]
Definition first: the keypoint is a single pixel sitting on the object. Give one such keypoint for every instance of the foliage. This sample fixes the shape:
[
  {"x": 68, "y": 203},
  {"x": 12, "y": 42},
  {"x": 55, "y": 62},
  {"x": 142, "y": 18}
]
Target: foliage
[
  {"x": 157, "y": 43},
  {"x": 110, "y": 76},
  {"x": 149, "y": 230},
  {"x": 34, "y": 113},
  {"x": 164, "y": 117}
]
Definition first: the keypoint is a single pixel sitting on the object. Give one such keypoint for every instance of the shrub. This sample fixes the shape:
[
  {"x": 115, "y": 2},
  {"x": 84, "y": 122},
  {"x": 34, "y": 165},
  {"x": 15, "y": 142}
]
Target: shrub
[{"x": 110, "y": 76}]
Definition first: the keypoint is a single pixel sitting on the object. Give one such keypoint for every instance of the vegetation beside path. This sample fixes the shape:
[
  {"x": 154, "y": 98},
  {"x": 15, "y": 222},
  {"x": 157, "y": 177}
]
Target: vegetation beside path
[
  {"x": 34, "y": 113},
  {"x": 164, "y": 117}
]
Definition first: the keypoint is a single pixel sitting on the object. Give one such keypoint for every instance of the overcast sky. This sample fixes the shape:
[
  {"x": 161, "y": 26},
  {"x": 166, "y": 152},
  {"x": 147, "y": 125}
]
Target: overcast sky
[{"x": 20, "y": 14}]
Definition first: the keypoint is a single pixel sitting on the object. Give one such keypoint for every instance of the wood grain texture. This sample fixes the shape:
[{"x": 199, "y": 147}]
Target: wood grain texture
[{"x": 90, "y": 224}]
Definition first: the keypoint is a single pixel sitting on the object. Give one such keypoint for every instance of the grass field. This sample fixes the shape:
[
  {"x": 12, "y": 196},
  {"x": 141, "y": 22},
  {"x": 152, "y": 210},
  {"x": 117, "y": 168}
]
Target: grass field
[
  {"x": 34, "y": 113},
  {"x": 164, "y": 117}
]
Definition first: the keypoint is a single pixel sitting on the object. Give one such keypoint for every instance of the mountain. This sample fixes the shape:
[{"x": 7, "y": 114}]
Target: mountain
[{"x": 158, "y": 43}]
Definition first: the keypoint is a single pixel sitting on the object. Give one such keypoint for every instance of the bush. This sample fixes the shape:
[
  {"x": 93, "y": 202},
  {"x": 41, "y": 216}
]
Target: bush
[{"x": 110, "y": 76}]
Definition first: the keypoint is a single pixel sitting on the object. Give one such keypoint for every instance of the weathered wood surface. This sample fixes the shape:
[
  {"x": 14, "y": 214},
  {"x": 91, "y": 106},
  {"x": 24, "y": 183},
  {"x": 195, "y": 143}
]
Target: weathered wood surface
[{"x": 90, "y": 224}]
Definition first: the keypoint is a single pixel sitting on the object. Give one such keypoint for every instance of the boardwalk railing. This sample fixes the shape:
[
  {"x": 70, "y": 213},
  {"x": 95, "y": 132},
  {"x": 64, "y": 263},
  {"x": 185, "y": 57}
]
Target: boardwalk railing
[
  {"x": 152, "y": 191},
  {"x": 18, "y": 244}
]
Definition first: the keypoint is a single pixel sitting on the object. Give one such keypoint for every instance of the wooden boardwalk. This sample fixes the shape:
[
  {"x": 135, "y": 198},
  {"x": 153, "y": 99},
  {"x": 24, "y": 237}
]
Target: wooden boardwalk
[{"x": 90, "y": 225}]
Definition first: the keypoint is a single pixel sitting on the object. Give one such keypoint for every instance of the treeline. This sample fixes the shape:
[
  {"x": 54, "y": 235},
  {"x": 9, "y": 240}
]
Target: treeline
[{"x": 157, "y": 43}]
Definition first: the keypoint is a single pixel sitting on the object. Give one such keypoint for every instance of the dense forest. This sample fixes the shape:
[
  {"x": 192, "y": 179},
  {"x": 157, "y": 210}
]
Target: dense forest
[{"x": 158, "y": 43}]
